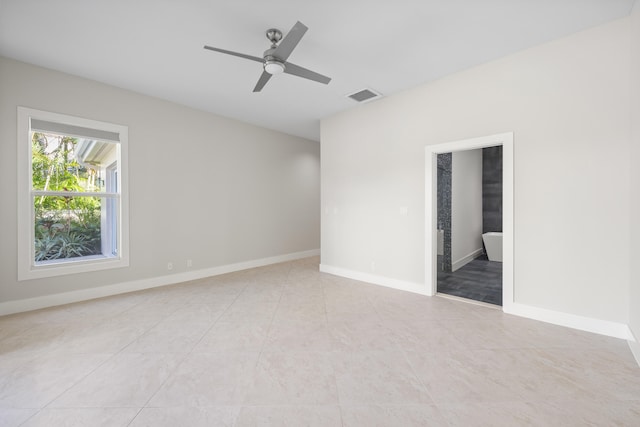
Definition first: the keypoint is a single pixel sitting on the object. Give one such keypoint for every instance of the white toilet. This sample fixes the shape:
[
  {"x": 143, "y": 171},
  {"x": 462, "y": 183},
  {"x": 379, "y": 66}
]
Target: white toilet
[{"x": 493, "y": 244}]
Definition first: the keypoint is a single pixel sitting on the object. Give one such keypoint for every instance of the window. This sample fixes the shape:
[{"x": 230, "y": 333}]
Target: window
[{"x": 72, "y": 198}]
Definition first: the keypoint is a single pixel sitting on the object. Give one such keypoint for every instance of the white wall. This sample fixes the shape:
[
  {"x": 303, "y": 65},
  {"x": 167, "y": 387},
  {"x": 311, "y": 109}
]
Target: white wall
[
  {"x": 202, "y": 187},
  {"x": 466, "y": 206},
  {"x": 634, "y": 300},
  {"x": 567, "y": 103}
]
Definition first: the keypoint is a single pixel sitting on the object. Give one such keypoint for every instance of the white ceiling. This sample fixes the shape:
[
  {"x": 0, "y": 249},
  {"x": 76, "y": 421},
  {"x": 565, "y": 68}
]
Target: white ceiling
[{"x": 155, "y": 47}]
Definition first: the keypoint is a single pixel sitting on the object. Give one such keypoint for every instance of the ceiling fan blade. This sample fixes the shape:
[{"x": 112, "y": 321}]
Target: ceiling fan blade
[
  {"x": 299, "y": 71},
  {"x": 290, "y": 41},
  {"x": 229, "y": 52},
  {"x": 264, "y": 78}
]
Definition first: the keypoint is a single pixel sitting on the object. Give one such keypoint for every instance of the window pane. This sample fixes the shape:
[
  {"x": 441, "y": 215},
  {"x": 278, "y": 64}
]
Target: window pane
[
  {"x": 67, "y": 227},
  {"x": 65, "y": 163}
]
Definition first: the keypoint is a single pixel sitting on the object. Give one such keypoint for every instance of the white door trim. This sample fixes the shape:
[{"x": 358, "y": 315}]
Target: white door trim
[{"x": 431, "y": 216}]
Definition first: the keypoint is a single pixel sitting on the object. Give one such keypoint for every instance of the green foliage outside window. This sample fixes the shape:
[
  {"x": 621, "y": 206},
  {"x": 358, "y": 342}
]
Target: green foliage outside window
[{"x": 65, "y": 227}]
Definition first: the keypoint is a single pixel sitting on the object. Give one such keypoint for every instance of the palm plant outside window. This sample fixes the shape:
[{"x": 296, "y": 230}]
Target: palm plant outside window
[{"x": 67, "y": 222}]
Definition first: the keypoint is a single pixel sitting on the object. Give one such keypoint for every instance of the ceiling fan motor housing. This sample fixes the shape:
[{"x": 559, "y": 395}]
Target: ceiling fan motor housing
[{"x": 273, "y": 64}]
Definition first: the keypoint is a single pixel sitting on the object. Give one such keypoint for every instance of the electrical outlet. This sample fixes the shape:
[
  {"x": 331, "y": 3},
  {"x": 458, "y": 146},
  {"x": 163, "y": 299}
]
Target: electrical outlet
[
  {"x": 373, "y": 266},
  {"x": 189, "y": 263},
  {"x": 169, "y": 266}
]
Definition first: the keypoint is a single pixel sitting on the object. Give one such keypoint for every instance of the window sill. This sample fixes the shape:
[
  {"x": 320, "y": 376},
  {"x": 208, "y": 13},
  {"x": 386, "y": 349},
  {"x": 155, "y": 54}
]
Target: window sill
[{"x": 60, "y": 268}]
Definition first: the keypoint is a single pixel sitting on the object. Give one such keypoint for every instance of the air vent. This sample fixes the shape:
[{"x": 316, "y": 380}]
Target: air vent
[{"x": 364, "y": 95}]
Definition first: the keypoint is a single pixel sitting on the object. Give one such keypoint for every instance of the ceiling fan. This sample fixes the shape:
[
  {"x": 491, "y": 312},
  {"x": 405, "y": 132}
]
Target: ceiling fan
[{"x": 274, "y": 60}]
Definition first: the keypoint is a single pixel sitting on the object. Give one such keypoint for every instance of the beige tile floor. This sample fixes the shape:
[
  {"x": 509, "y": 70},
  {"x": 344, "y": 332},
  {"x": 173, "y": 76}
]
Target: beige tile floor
[{"x": 285, "y": 345}]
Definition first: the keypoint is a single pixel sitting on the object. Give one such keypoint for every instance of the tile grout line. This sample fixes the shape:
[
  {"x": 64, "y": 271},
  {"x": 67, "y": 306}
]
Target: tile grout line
[
  {"x": 187, "y": 354},
  {"x": 46, "y": 405},
  {"x": 333, "y": 367},
  {"x": 264, "y": 343}
]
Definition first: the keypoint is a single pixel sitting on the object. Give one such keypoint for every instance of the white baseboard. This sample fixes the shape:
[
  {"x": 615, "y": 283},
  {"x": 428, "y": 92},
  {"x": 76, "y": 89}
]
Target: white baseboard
[
  {"x": 602, "y": 327},
  {"x": 19, "y": 306},
  {"x": 588, "y": 324},
  {"x": 466, "y": 260},
  {"x": 403, "y": 285}
]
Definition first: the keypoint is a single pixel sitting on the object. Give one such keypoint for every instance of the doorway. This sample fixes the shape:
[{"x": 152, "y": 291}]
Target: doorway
[
  {"x": 470, "y": 222},
  {"x": 432, "y": 235}
]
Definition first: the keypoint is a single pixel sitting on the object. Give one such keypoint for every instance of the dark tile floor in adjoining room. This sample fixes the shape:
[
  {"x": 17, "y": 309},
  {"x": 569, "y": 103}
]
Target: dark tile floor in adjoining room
[{"x": 479, "y": 280}]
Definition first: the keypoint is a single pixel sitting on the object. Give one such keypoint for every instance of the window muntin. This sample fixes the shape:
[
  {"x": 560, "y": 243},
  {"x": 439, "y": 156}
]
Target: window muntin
[{"x": 72, "y": 190}]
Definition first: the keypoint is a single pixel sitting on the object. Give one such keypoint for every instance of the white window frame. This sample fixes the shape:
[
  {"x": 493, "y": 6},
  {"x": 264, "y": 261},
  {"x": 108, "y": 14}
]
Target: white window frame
[
  {"x": 27, "y": 267},
  {"x": 109, "y": 238}
]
